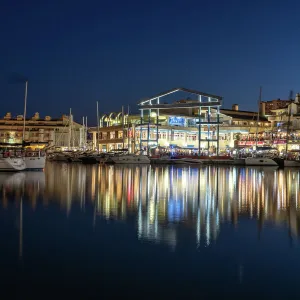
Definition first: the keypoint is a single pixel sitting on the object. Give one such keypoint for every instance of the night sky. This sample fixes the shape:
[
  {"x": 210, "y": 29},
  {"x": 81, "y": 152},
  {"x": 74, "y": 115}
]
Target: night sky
[{"x": 118, "y": 52}]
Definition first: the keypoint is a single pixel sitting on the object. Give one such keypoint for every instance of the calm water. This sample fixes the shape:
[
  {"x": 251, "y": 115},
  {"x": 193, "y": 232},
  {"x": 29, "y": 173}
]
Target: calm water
[{"x": 84, "y": 232}]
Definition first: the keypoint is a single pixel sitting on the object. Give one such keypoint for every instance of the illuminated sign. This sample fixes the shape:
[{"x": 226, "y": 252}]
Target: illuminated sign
[
  {"x": 260, "y": 143},
  {"x": 250, "y": 143},
  {"x": 277, "y": 142},
  {"x": 176, "y": 121}
]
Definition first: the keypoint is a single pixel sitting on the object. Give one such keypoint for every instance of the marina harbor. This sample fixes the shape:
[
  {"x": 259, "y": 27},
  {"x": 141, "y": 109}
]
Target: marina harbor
[
  {"x": 150, "y": 150},
  {"x": 191, "y": 130}
]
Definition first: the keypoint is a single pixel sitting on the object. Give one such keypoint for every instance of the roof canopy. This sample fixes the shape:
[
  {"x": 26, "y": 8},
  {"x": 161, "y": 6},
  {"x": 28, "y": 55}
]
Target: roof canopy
[{"x": 213, "y": 100}]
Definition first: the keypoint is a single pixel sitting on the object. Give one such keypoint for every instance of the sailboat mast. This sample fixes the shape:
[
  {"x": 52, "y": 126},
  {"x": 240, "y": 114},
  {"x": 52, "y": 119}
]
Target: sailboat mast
[
  {"x": 86, "y": 130},
  {"x": 258, "y": 111},
  {"x": 25, "y": 109},
  {"x": 123, "y": 125},
  {"x": 70, "y": 130},
  {"x": 128, "y": 137},
  {"x": 82, "y": 134},
  {"x": 98, "y": 127}
]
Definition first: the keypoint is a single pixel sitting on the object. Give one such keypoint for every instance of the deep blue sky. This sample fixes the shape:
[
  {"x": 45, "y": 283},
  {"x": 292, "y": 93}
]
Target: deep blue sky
[{"x": 117, "y": 52}]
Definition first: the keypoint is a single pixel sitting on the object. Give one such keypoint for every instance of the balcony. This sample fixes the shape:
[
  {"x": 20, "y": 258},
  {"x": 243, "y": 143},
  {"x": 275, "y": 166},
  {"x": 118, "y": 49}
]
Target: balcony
[
  {"x": 275, "y": 118},
  {"x": 111, "y": 141}
]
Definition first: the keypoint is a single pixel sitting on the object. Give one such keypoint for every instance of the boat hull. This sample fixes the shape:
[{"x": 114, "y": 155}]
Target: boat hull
[
  {"x": 189, "y": 161},
  {"x": 130, "y": 160},
  {"x": 291, "y": 163},
  {"x": 260, "y": 161},
  {"x": 12, "y": 164},
  {"x": 35, "y": 163}
]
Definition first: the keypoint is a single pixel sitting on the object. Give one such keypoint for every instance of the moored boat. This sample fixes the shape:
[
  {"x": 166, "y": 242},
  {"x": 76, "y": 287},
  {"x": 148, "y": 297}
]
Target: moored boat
[
  {"x": 35, "y": 160},
  {"x": 260, "y": 161},
  {"x": 130, "y": 159},
  {"x": 12, "y": 164},
  {"x": 187, "y": 161},
  {"x": 60, "y": 156},
  {"x": 291, "y": 163}
]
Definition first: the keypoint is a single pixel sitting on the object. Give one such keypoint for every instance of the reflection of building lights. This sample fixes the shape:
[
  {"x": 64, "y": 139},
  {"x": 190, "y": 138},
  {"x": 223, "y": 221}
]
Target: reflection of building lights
[
  {"x": 175, "y": 210},
  {"x": 201, "y": 198},
  {"x": 151, "y": 212}
]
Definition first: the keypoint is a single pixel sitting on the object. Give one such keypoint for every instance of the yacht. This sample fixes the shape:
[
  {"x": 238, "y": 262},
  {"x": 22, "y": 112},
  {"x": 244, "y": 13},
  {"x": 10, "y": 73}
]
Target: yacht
[
  {"x": 11, "y": 159},
  {"x": 35, "y": 160},
  {"x": 260, "y": 161},
  {"x": 263, "y": 156},
  {"x": 94, "y": 158},
  {"x": 12, "y": 164},
  {"x": 59, "y": 156}
]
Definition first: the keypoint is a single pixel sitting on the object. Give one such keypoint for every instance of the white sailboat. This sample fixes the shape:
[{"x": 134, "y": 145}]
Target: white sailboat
[
  {"x": 259, "y": 160},
  {"x": 34, "y": 159},
  {"x": 12, "y": 164}
]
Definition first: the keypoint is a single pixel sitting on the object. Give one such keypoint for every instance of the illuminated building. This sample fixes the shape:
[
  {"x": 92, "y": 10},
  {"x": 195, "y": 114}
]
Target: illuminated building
[
  {"x": 41, "y": 132},
  {"x": 284, "y": 116},
  {"x": 188, "y": 124},
  {"x": 269, "y": 106}
]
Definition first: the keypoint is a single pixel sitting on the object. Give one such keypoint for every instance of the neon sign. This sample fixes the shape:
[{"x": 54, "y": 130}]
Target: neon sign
[{"x": 176, "y": 121}]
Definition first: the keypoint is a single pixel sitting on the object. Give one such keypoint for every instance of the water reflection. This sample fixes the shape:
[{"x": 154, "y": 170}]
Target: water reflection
[
  {"x": 14, "y": 186},
  {"x": 163, "y": 198}
]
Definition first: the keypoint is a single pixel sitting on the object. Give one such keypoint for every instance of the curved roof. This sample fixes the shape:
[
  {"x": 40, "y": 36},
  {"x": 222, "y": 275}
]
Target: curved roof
[
  {"x": 182, "y": 89},
  {"x": 112, "y": 114}
]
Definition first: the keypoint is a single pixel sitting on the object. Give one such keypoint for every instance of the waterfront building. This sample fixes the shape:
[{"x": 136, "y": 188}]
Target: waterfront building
[
  {"x": 269, "y": 106},
  {"x": 285, "y": 122},
  {"x": 41, "y": 132},
  {"x": 193, "y": 125}
]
